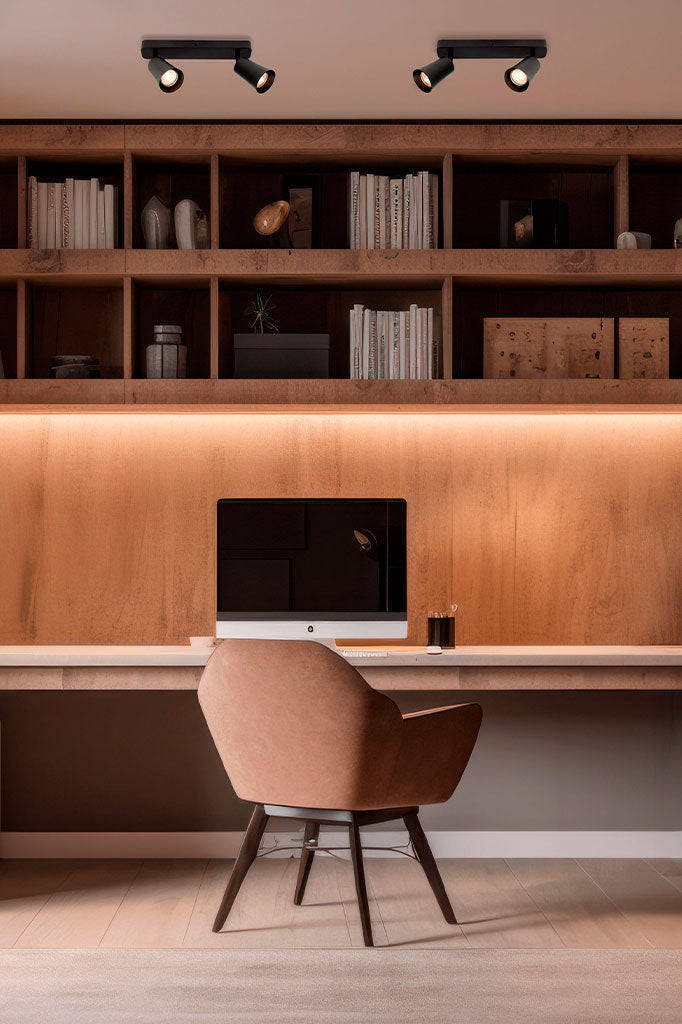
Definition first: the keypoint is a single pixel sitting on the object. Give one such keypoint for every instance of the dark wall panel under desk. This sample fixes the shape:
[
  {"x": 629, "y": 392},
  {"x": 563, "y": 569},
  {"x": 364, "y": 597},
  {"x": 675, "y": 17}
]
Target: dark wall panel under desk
[{"x": 121, "y": 761}]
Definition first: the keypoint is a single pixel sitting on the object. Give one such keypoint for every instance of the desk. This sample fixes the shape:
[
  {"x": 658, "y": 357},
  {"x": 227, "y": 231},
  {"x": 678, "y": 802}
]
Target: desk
[{"x": 394, "y": 668}]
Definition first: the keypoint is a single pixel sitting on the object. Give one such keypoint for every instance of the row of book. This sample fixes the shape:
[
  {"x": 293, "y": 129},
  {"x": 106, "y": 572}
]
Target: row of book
[
  {"x": 393, "y": 213},
  {"x": 73, "y": 214},
  {"x": 393, "y": 345}
]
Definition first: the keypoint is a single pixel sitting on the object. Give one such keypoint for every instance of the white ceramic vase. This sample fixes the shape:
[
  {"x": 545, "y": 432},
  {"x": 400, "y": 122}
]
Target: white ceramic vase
[
  {"x": 156, "y": 224},
  {"x": 191, "y": 226}
]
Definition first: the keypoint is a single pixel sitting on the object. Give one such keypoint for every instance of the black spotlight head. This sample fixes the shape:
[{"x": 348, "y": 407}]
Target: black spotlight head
[
  {"x": 259, "y": 77},
  {"x": 522, "y": 74},
  {"x": 427, "y": 78},
  {"x": 168, "y": 77}
]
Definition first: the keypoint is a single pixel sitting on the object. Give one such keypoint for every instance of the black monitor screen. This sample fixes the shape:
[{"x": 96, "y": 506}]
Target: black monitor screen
[{"x": 319, "y": 558}]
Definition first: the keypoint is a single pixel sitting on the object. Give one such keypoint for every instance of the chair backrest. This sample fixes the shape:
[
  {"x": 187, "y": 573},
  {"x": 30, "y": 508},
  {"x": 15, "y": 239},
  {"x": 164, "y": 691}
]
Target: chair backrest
[{"x": 296, "y": 725}]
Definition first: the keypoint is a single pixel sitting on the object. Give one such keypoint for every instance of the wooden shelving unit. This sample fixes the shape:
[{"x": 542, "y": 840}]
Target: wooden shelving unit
[{"x": 104, "y": 302}]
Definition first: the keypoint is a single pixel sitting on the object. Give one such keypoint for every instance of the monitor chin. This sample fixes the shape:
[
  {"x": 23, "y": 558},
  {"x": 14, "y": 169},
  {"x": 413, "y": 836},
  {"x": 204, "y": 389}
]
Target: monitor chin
[{"x": 324, "y": 631}]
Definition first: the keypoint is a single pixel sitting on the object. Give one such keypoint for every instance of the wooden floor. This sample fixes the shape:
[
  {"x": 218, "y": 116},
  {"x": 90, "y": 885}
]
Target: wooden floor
[{"x": 500, "y": 904}]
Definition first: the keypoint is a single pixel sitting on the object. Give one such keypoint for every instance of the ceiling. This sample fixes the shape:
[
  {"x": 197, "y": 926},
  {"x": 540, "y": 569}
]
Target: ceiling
[{"x": 65, "y": 59}]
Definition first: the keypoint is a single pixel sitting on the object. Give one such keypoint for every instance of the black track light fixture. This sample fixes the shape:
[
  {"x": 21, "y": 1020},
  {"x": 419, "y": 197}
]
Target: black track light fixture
[
  {"x": 158, "y": 52},
  {"x": 517, "y": 77}
]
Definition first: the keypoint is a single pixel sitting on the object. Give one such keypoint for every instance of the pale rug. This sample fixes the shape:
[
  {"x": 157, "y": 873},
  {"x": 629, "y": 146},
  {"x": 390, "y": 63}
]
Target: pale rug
[{"x": 175, "y": 986}]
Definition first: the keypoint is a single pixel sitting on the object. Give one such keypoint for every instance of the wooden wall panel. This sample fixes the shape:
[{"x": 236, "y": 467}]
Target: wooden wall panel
[{"x": 544, "y": 529}]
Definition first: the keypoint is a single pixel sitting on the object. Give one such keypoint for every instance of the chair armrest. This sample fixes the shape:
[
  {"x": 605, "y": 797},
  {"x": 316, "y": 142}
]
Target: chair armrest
[{"x": 432, "y": 711}]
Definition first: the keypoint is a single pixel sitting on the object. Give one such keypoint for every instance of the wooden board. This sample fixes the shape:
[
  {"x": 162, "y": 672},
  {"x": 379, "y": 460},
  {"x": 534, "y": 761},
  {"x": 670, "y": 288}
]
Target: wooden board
[
  {"x": 643, "y": 348},
  {"x": 548, "y": 348}
]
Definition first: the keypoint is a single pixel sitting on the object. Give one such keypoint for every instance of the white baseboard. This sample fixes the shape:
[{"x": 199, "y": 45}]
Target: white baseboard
[{"x": 444, "y": 844}]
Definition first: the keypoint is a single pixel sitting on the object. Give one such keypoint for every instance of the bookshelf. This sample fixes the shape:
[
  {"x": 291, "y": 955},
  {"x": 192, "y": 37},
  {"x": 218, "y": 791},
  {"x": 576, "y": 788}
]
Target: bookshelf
[{"x": 105, "y": 301}]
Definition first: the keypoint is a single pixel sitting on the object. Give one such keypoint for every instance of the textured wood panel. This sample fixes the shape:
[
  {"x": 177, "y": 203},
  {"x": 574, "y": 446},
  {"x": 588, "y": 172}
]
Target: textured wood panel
[
  {"x": 533, "y": 347},
  {"x": 544, "y": 529},
  {"x": 643, "y": 347}
]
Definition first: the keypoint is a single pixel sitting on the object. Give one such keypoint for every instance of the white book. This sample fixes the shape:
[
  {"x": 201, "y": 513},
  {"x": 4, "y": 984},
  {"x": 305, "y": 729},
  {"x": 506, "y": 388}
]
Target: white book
[
  {"x": 59, "y": 216},
  {"x": 77, "y": 214},
  {"x": 402, "y": 354},
  {"x": 85, "y": 212},
  {"x": 32, "y": 213},
  {"x": 356, "y": 342},
  {"x": 373, "y": 346},
  {"x": 365, "y": 344},
  {"x": 427, "y": 241},
  {"x": 92, "y": 231},
  {"x": 42, "y": 215},
  {"x": 382, "y": 344},
  {"x": 378, "y": 208},
  {"x": 101, "y": 238},
  {"x": 414, "y": 222},
  {"x": 382, "y": 202},
  {"x": 420, "y": 210},
  {"x": 371, "y": 201},
  {"x": 51, "y": 200},
  {"x": 396, "y": 194},
  {"x": 413, "y": 343},
  {"x": 432, "y": 362},
  {"x": 434, "y": 209},
  {"x": 109, "y": 199},
  {"x": 362, "y": 211},
  {"x": 354, "y": 221},
  {"x": 406, "y": 210},
  {"x": 422, "y": 359},
  {"x": 67, "y": 208},
  {"x": 395, "y": 346}
]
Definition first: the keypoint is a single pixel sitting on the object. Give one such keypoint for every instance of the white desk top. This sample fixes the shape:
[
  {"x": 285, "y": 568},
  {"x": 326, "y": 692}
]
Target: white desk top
[{"x": 514, "y": 656}]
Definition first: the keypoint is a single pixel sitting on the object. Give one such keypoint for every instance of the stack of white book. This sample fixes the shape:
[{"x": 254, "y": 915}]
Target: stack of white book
[
  {"x": 393, "y": 213},
  {"x": 393, "y": 345},
  {"x": 73, "y": 214}
]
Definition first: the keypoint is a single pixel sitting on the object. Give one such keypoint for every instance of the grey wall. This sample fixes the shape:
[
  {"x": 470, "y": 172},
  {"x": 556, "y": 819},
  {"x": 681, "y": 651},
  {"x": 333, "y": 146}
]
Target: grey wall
[{"x": 144, "y": 761}]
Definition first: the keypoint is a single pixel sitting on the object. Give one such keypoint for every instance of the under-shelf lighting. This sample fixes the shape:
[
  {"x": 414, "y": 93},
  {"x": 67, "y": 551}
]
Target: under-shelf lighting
[
  {"x": 518, "y": 77},
  {"x": 158, "y": 51}
]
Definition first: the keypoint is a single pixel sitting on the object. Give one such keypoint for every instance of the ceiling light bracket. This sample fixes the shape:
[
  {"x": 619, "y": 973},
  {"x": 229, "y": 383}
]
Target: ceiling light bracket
[
  {"x": 196, "y": 49},
  {"x": 487, "y": 49}
]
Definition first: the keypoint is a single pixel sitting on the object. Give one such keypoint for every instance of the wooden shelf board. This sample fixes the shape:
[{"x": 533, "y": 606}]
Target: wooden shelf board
[
  {"x": 345, "y": 266},
  {"x": 344, "y": 395}
]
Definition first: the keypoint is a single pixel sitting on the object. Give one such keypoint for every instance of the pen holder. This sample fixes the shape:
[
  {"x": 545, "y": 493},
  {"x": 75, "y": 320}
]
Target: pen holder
[{"x": 441, "y": 632}]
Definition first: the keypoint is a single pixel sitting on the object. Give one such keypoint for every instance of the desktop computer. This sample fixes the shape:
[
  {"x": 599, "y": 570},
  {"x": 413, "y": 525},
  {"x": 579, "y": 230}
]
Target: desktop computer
[{"x": 313, "y": 569}]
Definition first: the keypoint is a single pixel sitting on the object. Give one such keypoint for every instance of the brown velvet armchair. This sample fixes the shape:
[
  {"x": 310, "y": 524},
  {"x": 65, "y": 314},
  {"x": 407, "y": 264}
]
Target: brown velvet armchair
[{"x": 302, "y": 735}]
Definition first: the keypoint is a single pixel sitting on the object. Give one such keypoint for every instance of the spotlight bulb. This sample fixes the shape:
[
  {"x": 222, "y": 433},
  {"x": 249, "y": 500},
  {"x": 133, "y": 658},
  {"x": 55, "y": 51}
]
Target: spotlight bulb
[
  {"x": 255, "y": 74},
  {"x": 428, "y": 77},
  {"x": 168, "y": 77},
  {"x": 522, "y": 74}
]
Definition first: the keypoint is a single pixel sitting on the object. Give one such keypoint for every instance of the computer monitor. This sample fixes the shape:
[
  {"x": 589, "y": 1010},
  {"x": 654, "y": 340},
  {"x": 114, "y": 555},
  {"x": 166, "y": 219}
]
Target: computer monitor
[{"x": 313, "y": 569}]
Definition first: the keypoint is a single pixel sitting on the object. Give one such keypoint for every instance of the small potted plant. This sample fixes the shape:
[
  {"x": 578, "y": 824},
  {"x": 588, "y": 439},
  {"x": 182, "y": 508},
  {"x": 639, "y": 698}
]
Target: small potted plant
[{"x": 268, "y": 353}]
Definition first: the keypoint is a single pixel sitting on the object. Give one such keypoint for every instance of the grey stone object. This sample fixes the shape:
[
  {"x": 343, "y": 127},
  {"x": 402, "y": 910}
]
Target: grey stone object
[{"x": 167, "y": 361}]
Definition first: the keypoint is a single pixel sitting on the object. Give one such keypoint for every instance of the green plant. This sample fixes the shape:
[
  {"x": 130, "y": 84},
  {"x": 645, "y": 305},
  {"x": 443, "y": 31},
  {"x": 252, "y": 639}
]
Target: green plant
[{"x": 261, "y": 310}]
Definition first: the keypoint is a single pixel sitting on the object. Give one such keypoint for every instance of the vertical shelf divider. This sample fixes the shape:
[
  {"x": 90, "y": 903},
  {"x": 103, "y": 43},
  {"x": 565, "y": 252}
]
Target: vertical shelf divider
[
  {"x": 215, "y": 201},
  {"x": 215, "y": 328},
  {"x": 448, "y": 213},
  {"x": 128, "y": 199},
  {"x": 23, "y": 328},
  {"x": 22, "y": 201},
  {"x": 446, "y": 329},
  {"x": 621, "y": 196},
  {"x": 128, "y": 327}
]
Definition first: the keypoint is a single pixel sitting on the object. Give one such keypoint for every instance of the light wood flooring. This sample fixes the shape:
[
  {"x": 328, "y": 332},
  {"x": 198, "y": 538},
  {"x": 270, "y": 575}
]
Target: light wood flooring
[{"x": 500, "y": 904}]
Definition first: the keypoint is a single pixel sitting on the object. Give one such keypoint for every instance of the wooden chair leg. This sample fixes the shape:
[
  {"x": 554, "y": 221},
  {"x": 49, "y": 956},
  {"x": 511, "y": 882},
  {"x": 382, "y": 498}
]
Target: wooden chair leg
[
  {"x": 247, "y": 855},
  {"x": 426, "y": 859},
  {"x": 312, "y": 832},
  {"x": 360, "y": 885}
]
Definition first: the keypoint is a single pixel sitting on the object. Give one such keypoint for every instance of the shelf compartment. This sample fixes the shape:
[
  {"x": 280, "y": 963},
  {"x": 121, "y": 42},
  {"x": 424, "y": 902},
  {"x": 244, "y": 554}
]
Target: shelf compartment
[
  {"x": 8, "y": 330},
  {"x": 321, "y": 308},
  {"x": 9, "y": 203},
  {"x": 478, "y": 187},
  {"x": 109, "y": 171},
  {"x": 472, "y": 304},
  {"x": 655, "y": 200},
  {"x": 188, "y": 305},
  {"x": 247, "y": 187},
  {"x": 75, "y": 320},
  {"x": 171, "y": 180}
]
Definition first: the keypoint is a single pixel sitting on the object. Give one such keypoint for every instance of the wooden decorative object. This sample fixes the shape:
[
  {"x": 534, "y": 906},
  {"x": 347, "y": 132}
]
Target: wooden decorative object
[
  {"x": 270, "y": 219},
  {"x": 535, "y": 347},
  {"x": 643, "y": 347}
]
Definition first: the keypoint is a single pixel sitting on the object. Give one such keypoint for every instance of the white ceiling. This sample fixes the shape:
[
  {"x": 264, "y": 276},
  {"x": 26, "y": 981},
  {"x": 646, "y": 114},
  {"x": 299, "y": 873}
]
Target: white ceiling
[{"x": 340, "y": 59}]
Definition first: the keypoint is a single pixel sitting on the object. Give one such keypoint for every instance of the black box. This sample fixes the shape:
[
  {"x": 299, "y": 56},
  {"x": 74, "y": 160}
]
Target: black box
[
  {"x": 533, "y": 224},
  {"x": 281, "y": 356}
]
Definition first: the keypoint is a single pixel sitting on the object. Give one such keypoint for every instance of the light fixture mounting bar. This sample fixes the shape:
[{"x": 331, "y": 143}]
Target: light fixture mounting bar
[
  {"x": 487, "y": 49},
  {"x": 196, "y": 49}
]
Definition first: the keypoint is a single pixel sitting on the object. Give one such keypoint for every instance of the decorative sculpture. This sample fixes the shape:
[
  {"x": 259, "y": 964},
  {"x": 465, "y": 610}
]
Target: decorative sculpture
[
  {"x": 677, "y": 234},
  {"x": 270, "y": 219},
  {"x": 633, "y": 240},
  {"x": 156, "y": 224},
  {"x": 191, "y": 226}
]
